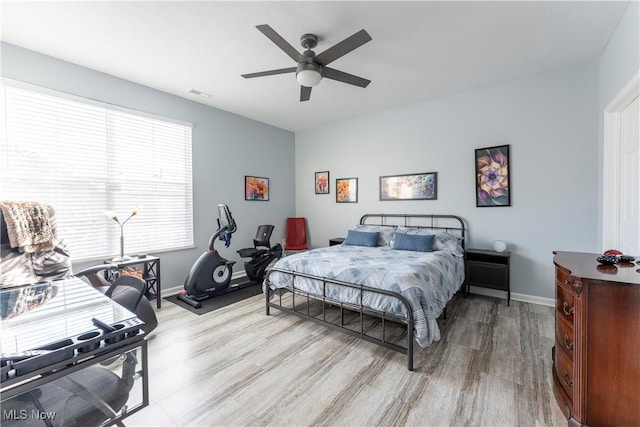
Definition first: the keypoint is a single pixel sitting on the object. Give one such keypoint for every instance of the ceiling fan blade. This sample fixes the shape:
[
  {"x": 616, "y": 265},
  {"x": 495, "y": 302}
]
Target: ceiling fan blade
[
  {"x": 305, "y": 93},
  {"x": 344, "y": 47},
  {"x": 280, "y": 42},
  {"x": 270, "y": 72},
  {"x": 341, "y": 76}
]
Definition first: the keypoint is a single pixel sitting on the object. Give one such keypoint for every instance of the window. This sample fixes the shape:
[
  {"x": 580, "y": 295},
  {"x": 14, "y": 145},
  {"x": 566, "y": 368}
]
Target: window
[{"x": 85, "y": 158}]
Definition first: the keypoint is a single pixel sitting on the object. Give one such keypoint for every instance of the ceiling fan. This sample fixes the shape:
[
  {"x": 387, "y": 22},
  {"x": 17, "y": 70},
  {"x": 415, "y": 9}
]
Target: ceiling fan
[{"x": 312, "y": 68}]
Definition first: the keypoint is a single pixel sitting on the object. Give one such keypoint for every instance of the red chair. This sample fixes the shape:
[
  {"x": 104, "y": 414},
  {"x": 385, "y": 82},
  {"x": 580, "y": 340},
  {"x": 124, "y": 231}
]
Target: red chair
[{"x": 296, "y": 238}]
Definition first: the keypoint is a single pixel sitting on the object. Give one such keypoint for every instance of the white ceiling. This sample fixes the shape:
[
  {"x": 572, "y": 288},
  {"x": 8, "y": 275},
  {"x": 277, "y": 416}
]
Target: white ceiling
[{"x": 420, "y": 49}]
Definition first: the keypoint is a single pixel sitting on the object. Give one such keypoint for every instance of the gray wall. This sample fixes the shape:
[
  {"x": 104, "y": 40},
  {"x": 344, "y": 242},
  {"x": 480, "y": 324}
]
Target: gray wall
[
  {"x": 226, "y": 147},
  {"x": 549, "y": 120}
]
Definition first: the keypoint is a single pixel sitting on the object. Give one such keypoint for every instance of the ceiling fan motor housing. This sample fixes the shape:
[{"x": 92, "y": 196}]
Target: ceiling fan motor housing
[
  {"x": 308, "y": 62},
  {"x": 309, "y": 41}
]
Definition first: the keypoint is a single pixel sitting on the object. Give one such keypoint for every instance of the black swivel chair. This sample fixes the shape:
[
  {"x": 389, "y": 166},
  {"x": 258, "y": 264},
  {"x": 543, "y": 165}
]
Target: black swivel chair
[
  {"x": 89, "y": 397},
  {"x": 128, "y": 291}
]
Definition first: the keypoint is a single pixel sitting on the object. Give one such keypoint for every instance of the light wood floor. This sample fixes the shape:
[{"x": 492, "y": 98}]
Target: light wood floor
[{"x": 237, "y": 366}]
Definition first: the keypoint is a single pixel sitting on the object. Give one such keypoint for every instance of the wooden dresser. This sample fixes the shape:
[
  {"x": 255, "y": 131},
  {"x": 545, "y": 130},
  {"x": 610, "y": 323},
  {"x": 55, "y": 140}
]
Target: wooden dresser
[{"x": 596, "y": 366}]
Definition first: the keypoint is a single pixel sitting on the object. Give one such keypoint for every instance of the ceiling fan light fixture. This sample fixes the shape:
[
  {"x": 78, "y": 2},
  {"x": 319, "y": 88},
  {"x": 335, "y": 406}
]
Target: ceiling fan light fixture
[
  {"x": 309, "y": 78},
  {"x": 308, "y": 74}
]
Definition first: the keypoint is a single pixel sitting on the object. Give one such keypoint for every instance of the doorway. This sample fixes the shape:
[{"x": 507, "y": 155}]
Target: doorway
[{"x": 621, "y": 171}]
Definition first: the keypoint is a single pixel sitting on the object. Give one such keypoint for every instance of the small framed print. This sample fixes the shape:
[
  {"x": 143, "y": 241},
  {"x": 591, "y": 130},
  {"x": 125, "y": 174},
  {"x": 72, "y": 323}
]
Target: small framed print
[
  {"x": 493, "y": 181},
  {"x": 322, "y": 182},
  {"x": 347, "y": 190},
  {"x": 256, "y": 188}
]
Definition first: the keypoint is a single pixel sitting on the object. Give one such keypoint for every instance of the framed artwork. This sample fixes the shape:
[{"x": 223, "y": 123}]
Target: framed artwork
[
  {"x": 322, "y": 182},
  {"x": 256, "y": 188},
  {"x": 347, "y": 190},
  {"x": 415, "y": 186},
  {"x": 492, "y": 176}
]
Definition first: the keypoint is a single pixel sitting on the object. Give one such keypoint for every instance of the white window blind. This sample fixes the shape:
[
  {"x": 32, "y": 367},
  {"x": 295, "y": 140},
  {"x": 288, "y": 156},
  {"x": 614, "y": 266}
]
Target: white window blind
[{"x": 84, "y": 158}]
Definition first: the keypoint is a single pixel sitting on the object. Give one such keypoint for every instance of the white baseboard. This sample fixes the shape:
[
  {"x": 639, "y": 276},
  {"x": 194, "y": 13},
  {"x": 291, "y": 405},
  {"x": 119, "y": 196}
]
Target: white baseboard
[{"x": 532, "y": 299}]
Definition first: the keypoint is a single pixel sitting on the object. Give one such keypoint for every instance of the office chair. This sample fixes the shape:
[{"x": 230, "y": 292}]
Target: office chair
[
  {"x": 88, "y": 397},
  {"x": 128, "y": 291}
]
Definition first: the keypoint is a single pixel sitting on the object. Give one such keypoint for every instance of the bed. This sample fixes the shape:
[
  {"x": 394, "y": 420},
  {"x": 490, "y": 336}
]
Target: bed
[{"x": 395, "y": 268}]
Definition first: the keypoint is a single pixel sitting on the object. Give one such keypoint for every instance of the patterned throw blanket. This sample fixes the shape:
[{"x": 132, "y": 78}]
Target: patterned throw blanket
[{"x": 28, "y": 226}]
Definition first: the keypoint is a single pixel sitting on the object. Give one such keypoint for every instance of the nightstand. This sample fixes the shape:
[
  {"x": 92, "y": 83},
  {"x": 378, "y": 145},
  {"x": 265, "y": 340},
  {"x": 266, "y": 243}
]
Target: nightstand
[
  {"x": 488, "y": 269},
  {"x": 336, "y": 241}
]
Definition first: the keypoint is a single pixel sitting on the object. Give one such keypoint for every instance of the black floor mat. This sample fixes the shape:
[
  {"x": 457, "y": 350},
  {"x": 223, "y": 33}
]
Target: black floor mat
[{"x": 219, "y": 301}]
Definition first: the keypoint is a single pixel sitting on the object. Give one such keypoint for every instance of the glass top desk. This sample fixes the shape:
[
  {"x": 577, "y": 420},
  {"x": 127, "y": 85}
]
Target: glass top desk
[{"x": 54, "y": 333}]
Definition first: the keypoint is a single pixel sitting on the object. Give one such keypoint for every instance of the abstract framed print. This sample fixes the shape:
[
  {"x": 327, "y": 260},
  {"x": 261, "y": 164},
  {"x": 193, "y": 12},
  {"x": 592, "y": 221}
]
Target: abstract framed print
[
  {"x": 493, "y": 181},
  {"x": 415, "y": 186}
]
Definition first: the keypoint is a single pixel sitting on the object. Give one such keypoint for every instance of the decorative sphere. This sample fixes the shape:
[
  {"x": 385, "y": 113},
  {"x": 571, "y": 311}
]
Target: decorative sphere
[{"x": 499, "y": 246}]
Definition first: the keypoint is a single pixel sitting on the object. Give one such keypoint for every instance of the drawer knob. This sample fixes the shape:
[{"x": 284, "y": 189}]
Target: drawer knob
[
  {"x": 567, "y": 310},
  {"x": 565, "y": 378},
  {"x": 567, "y": 343}
]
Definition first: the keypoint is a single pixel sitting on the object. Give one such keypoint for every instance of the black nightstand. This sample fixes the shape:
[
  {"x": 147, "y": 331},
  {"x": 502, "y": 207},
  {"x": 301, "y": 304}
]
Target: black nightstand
[
  {"x": 336, "y": 241},
  {"x": 488, "y": 269}
]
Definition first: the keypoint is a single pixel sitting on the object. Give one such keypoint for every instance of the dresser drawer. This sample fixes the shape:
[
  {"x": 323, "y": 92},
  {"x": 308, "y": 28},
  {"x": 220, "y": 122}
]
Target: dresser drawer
[
  {"x": 564, "y": 335},
  {"x": 565, "y": 300},
  {"x": 564, "y": 370},
  {"x": 563, "y": 277}
]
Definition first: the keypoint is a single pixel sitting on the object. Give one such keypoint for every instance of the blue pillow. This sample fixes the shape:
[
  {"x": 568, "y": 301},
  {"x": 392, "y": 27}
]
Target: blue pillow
[
  {"x": 361, "y": 238},
  {"x": 414, "y": 242}
]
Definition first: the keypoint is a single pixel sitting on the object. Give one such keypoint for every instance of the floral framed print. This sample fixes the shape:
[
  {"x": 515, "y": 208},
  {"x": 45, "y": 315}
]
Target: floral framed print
[
  {"x": 256, "y": 188},
  {"x": 322, "y": 182},
  {"x": 493, "y": 183},
  {"x": 415, "y": 186},
  {"x": 347, "y": 190}
]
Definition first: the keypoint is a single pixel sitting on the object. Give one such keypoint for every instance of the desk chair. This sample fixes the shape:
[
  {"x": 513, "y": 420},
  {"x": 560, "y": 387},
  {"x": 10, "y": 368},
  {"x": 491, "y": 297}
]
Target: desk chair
[
  {"x": 128, "y": 291},
  {"x": 89, "y": 397}
]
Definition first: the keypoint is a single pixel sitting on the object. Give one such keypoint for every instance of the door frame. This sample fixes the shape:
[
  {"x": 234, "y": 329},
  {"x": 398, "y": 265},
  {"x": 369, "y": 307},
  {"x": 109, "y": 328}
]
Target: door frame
[{"x": 611, "y": 160}]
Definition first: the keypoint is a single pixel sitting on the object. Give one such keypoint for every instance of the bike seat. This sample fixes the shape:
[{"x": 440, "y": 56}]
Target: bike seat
[{"x": 251, "y": 252}]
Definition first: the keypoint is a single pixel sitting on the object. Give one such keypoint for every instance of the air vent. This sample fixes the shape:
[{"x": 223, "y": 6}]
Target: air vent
[{"x": 199, "y": 93}]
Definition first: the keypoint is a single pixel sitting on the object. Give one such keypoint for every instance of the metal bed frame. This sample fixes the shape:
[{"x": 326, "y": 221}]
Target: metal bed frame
[{"x": 433, "y": 222}]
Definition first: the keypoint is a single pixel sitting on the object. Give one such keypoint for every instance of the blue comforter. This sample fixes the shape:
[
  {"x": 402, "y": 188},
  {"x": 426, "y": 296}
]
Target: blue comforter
[{"x": 427, "y": 279}]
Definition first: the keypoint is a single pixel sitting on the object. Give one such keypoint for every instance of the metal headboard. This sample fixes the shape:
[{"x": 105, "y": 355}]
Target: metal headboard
[{"x": 449, "y": 223}]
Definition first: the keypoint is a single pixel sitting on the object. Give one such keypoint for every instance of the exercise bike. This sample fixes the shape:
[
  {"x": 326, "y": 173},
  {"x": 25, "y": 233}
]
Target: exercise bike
[{"x": 211, "y": 274}]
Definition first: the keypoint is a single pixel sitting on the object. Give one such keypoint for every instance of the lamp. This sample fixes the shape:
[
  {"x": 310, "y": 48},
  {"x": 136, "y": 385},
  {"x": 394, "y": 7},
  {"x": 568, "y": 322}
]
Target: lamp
[
  {"x": 308, "y": 74},
  {"x": 113, "y": 216}
]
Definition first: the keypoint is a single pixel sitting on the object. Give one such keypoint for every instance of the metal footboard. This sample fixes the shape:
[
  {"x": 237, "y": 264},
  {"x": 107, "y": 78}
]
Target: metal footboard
[{"x": 355, "y": 307}]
